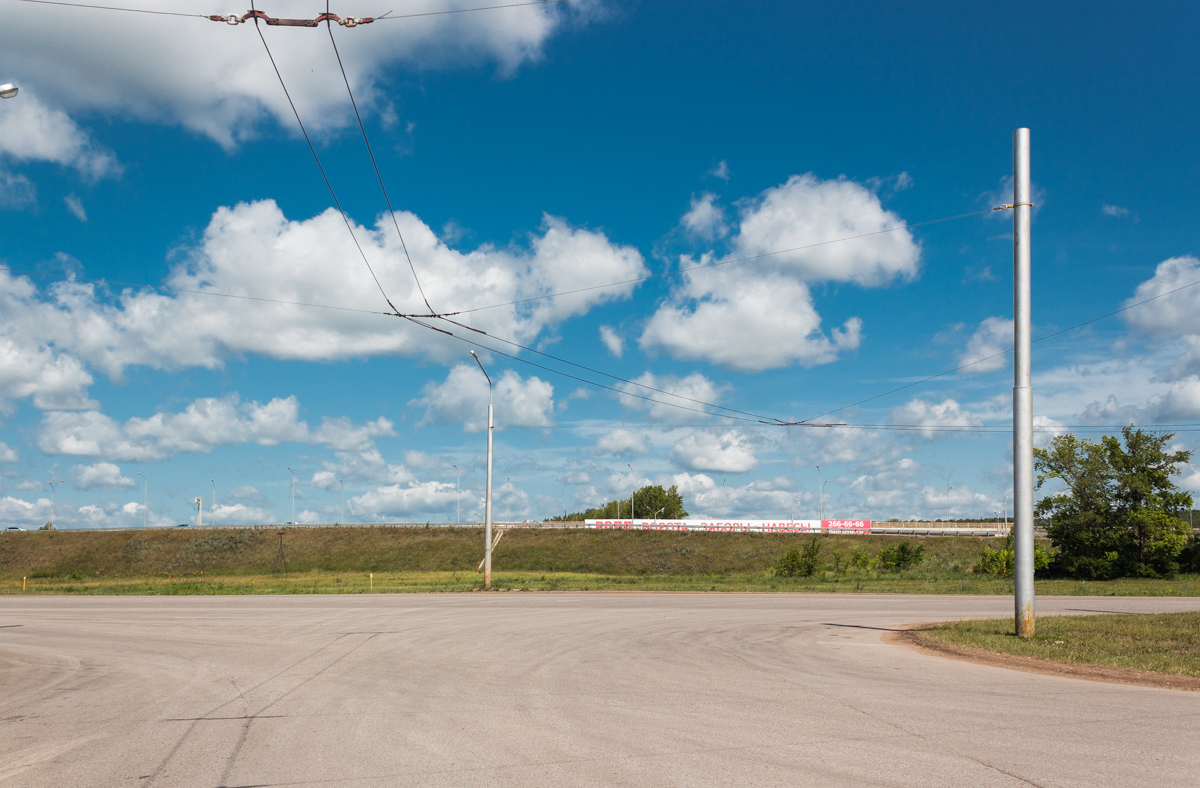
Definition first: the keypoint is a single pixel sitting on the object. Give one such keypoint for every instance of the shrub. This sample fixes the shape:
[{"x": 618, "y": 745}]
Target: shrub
[
  {"x": 862, "y": 559},
  {"x": 797, "y": 563},
  {"x": 1002, "y": 560},
  {"x": 901, "y": 556}
]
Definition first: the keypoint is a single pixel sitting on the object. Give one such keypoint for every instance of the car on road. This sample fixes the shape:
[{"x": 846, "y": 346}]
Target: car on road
[
  {"x": 13, "y": 528},
  {"x": 183, "y": 525}
]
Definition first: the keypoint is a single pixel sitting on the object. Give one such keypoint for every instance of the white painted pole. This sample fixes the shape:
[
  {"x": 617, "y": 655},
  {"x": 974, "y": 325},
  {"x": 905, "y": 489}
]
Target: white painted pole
[
  {"x": 1022, "y": 392},
  {"x": 487, "y": 528}
]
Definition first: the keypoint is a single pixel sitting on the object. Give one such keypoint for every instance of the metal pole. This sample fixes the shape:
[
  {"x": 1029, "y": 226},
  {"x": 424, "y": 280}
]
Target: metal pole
[
  {"x": 487, "y": 528},
  {"x": 293, "y": 473},
  {"x": 508, "y": 500},
  {"x": 213, "y": 514},
  {"x": 722, "y": 499},
  {"x": 820, "y": 499},
  {"x": 632, "y": 513},
  {"x": 145, "y": 498},
  {"x": 52, "y": 504},
  {"x": 457, "y": 491},
  {"x": 1022, "y": 392},
  {"x": 199, "y": 512},
  {"x": 948, "y": 489},
  {"x": 342, "y": 502}
]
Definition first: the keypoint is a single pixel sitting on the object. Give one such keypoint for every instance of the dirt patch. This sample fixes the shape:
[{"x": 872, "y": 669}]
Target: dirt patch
[{"x": 914, "y": 637}]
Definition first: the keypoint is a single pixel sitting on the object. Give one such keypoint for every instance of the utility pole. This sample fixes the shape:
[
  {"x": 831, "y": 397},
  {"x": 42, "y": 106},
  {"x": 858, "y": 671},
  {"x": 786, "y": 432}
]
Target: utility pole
[
  {"x": 1022, "y": 392},
  {"x": 199, "y": 512},
  {"x": 487, "y": 528}
]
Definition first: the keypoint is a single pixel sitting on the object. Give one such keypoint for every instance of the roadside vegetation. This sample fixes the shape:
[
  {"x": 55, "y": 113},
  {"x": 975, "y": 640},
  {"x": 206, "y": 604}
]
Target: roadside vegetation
[
  {"x": 342, "y": 560},
  {"x": 1163, "y": 643}
]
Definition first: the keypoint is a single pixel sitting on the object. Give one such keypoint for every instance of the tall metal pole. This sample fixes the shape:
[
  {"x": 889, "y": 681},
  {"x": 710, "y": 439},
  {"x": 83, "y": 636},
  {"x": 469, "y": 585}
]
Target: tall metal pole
[
  {"x": 457, "y": 491},
  {"x": 51, "y": 503},
  {"x": 145, "y": 498},
  {"x": 342, "y": 501},
  {"x": 487, "y": 527},
  {"x": 632, "y": 513},
  {"x": 213, "y": 514},
  {"x": 722, "y": 499},
  {"x": 1022, "y": 392},
  {"x": 820, "y": 495},
  {"x": 948, "y": 489},
  {"x": 293, "y": 473}
]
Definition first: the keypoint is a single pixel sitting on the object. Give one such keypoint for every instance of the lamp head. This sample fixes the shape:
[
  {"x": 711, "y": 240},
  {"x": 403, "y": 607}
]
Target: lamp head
[{"x": 8, "y": 90}]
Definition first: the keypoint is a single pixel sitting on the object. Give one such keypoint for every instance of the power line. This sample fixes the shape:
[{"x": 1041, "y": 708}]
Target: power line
[
  {"x": 113, "y": 8},
  {"x": 371, "y": 153},
  {"x": 357, "y": 20},
  {"x": 1002, "y": 353},
  {"x": 317, "y": 159},
  {"x": 388, "y": 17}
]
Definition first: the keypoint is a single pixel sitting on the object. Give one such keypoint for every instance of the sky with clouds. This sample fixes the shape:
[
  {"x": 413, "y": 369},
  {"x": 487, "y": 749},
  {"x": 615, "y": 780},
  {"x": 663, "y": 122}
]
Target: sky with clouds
[{"x": 638, "y": 215}]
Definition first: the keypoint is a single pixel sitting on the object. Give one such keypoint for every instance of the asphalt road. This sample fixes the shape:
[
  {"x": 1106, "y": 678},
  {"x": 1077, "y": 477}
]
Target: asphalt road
[{"x": 557, "y": 689}]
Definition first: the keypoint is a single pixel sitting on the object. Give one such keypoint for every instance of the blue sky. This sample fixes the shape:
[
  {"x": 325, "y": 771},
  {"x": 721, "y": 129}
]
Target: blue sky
[{"x": 534, "y": 150}]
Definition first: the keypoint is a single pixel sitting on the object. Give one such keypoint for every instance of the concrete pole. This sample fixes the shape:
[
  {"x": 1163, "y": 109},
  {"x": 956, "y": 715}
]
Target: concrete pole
[
  {"x": 1022, "y": 392},
  {"x": 487, "y": 529}
]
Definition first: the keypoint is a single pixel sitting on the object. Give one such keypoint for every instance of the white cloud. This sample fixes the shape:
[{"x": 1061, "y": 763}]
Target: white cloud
[
  {"x": 101, "y": 476},
  {"x": 7, "y": 454},
  {"x": 704, "y": 219},
  {"x": 612, "y": 340},
  {"x": 75, "y": 207},
  {"x": 16, "y": 191},
  {"x": 1177, "y": 313},
  {"x": 31, "y": 131},
  {"x": 199, "y": 428},
  {"x": 934, "y": 415},
  {"x": 727, "y": 452},
  {"x": 624, "y": 443},
  {"x": 409, "y": 499},
  {"x": 760, "y": 314},
  {"x": 463, "y": 396},
  {"x": 720, "y": 170},
  {"x": 244, "y": 492},
  {"x": 672, "y": 399},
  {"x": 344, "y": 435},
  {"x": 215, "y": 79},
  {"x": 29, "y": 368},
  {"x": 239, "y": 514},
  {"x": 987, "y": 348},
  {"x": 253, "y": 250},
  {"x": 1114, "y": 210}
]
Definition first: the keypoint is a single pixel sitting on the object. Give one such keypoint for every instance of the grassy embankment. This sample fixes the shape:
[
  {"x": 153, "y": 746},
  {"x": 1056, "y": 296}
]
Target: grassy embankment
[
  {"x": 1162, "y": 643},
  {"x": 341, "y": 560}
]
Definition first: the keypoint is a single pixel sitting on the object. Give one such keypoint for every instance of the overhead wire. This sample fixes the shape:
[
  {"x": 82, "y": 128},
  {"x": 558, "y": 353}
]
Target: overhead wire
[
  {"x": 387, "y": 16},
  {"x": 112, "y": 8},
  {"x": 375, "y": 164}
]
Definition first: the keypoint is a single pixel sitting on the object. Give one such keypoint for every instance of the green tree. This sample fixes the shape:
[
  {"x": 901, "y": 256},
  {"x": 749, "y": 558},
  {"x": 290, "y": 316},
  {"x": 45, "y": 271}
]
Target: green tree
[
  {"x": 646, "y": 504},
  {"x": 1119, "y": 513}
]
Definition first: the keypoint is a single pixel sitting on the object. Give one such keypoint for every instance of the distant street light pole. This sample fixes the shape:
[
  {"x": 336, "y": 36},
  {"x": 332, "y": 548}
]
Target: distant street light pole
[
  {"x": 632, "y": 511},
  {"x": 342, "y": 502},
  {"x": 487, "y": 528},
  {"x": 948, "y": 489},
  {"x": 820, "y": 496},
  {"x": 213, "y": 514},
  {"x": 1005, "y": 514},
  {"x": 1022, "y": 393},
  {"x": 823, "y": 502},
  {"x": 51, "y": 492},
  {"x": 145, "y": 498},
  {"x": 507, "y": 501},
  {"x": 199, "y": 512},
  {"x": 457, "y": 494},
  {"x": 722, "y": 499},
  {"x": 293, "y": 473},
  {"x": 660, "y": 511},
  {"x": 793, "y": 518},
  {"x": 8, "y": 90}
]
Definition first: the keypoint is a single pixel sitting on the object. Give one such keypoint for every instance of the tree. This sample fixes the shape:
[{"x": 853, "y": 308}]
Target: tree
[
  {"x": 1119, "y": 515},
  {"x": 646, "y": 504}
]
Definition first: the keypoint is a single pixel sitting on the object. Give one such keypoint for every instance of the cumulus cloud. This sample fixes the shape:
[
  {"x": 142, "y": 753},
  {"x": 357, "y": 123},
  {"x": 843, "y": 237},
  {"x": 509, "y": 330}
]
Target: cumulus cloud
[
  {"x": 612, "y": 340},
  {"x": 623, "y": 443},
  {"x": 7, "y": 454},
  {"x": 31, "y": 131},
  {"x": 101, "y": 476},
  {"x": 1114, "y": 210},
  {"x": 463, "y": 396},
  {"x": 216, "y": 80},
  {"x": 199, "y": 428},
  {"x": 405, "y": 500},
  {"x": 1174, "y": 314},
  {"x": 726, "y": 452},
  {"x": 934, "y": 415},
  {"x": 705, "y": 219},
  {"x": 760, "y": 314},
  {"x": 75, "y": 206},
  {"x": 667, "y": 391},
  {"x": 16, "y": 191},
  {"x": 719, "y": 170},
  {"x": 987, "y": 349},
  {"x": 344, "y": 435},
  {"x": 35, "y": 369}
]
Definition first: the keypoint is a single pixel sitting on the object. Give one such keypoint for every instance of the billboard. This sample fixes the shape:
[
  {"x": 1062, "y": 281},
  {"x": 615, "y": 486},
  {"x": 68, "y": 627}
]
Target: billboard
[{"x": 756, "y": 526}]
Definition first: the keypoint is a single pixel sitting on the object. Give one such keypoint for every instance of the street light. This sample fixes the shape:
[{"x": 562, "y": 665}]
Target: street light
[
  {"x": 293, "y": 473},
  {"x": 820, "y": 496},
  {"x": 948, "y": 489},
  {"x": 508, "y": 500},
  {"x": 632, "y": 512},
  {"x": 487, "y": 508},
  {"x": 145, "y": 498},
  {"x": 51, "y": 490},
  {"x": 722, "y": 499},
  {"x": 823, "y": 503},
  {"x": 342, "y": 501},
  {"x": 660, "y": 511},
  {"x": 794, "y": 505},
  {"x": 8, "y": 90},
  {"x": 457, "y": 494},
  {"x": 213, "y": 514}
]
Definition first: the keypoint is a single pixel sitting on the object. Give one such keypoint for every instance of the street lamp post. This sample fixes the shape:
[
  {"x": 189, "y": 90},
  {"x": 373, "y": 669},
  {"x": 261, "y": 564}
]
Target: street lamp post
[
  {"x": 487, "y": 527},
  {"x": 293, "y": 473},
  {"x": 793, "y": 519},
  {"x": 660, "y": 511},
  {"x": 52, "y": 495},
  {"x": 145, "y": 498},
  {"x": 199, "y": 512},
  {"x": 820, "y": 495},
  {"x": 632, "y": 511},
  {"x": 213, "y": 514},
  {"x": 722, "y": 499},
  {"x": 948, "y": 489},
  {"x": 508, "y": 500},
  {"x": 8, "y": 90},
  {"x": 823, "y": 502},
  {"x": 342, "y": 501},
  {"x": 457, "y": 494}
]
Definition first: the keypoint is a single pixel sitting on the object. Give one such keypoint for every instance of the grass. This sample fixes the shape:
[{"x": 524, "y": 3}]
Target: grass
[
  {"x": 1162, "y": 642},
  {"x": 340, "y": 560}
]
